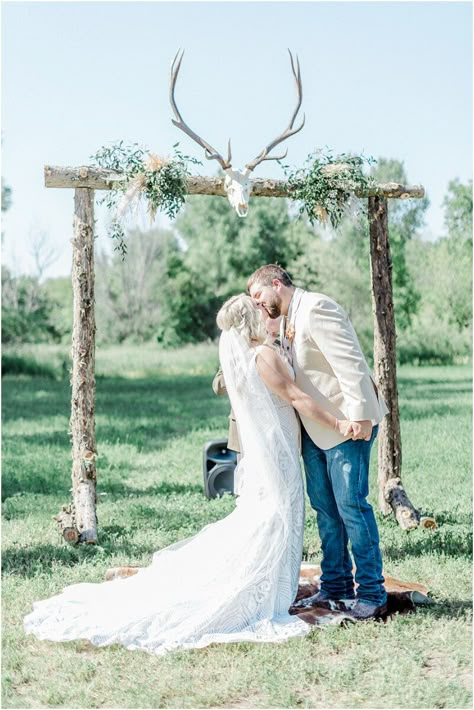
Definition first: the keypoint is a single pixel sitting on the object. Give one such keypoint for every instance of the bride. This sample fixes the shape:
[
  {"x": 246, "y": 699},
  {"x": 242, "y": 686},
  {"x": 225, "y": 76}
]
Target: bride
[{"x": 244, "y": 569}]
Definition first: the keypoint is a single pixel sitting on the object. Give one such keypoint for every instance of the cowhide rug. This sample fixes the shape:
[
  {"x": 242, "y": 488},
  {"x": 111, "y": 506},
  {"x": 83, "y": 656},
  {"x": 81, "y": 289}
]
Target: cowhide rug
[{"x": 403, "y": 597}]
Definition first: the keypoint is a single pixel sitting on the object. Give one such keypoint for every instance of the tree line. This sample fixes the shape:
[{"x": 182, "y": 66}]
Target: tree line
[{"x": 168, "y": 289}]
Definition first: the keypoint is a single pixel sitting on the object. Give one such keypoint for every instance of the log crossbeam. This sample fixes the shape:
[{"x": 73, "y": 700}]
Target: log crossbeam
[{"x": 103, "y": 179}]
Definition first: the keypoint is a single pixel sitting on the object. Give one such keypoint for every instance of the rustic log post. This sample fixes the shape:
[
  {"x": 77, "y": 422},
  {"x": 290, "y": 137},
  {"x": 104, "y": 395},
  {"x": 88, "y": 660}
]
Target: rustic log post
[
  {"x": 82, "y": 515},
  {"x": 392, "y": 495}
]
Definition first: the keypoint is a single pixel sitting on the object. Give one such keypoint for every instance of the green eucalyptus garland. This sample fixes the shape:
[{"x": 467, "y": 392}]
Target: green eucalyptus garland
[
  {"x": 326, "y": 184},
  {"x": 162, "y": 181}
]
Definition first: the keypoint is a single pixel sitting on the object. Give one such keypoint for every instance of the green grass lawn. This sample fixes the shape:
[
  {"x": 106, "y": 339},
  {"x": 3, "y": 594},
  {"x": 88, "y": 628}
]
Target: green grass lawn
[{"x": 155, "y": 410}]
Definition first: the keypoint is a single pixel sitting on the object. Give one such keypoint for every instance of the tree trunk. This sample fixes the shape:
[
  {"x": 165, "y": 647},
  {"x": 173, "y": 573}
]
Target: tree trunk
[
  {"x": 82, "y": 515},
  {"x": 392, "y": 495}
]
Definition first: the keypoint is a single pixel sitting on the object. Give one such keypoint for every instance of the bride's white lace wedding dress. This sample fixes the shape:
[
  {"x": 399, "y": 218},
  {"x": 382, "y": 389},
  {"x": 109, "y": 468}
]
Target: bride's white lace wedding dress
[{"x": 233, "y": 581}]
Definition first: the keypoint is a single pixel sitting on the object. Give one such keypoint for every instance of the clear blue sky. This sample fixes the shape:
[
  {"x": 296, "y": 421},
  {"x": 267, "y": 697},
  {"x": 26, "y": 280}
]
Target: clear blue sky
[{"x": 390, "y": 79}]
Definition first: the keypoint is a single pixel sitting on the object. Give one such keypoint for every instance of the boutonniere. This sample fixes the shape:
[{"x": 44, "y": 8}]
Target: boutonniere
[{"x": 290, "y": 333}]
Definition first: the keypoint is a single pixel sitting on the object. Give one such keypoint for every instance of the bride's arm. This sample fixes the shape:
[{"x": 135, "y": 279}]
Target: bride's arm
[{"x": 275, "y": 375}]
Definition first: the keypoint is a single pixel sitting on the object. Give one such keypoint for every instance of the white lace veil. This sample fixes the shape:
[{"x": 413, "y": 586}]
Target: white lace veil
[{"x": 267, "y": 455}]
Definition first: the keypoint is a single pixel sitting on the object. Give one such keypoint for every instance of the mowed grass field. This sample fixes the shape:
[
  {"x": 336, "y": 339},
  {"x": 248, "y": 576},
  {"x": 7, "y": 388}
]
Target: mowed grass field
[{"x": 155, "y": 410}]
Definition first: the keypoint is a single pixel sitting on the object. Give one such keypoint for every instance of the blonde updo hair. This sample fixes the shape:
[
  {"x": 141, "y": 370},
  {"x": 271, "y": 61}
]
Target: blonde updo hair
[{"x": 240, "y": 312}]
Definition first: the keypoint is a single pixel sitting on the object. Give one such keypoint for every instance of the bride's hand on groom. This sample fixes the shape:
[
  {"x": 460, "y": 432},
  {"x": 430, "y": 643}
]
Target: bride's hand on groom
[
  {"x": 362, "y": 430},
  {"x": 356, "y": 430},
  {"x": 344, "y": 427}
]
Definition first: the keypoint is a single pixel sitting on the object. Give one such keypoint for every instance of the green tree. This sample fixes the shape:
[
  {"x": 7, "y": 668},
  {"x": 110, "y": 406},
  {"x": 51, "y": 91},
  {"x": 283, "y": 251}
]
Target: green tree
[
  {"x": 441, "y": 331},
  {"x": 405, "y": 217},
  {"x": 130, "y": 293},
  {"x": 210, "y": 230},
  {"x": 27, "y": 308},
  {"x": 27, "y": 312},
  {"x": 189, "y": 310},
  {"x": 437, "y": 334},
  {"x": 227, "y": 248},
  {"x": 222, "y": 250},
  {"x": 458, "y": 210},
  {"x": 6, "y": 196},
  {"x": 59, "y": 292},
  {"x": 452, "y": 266},
  {"x": 267, "y": 236}
]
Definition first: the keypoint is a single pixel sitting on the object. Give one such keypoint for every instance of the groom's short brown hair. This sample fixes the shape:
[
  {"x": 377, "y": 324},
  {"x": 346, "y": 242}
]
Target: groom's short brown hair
[{"x": 265, "y": 274}]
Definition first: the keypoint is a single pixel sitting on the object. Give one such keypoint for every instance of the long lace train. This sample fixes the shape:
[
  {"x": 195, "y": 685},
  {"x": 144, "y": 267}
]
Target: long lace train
[{"x": 234, "y": 580}]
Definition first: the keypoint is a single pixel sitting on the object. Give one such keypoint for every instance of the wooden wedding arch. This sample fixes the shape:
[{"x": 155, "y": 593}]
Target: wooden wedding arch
[{"x": 78, "y": 520}]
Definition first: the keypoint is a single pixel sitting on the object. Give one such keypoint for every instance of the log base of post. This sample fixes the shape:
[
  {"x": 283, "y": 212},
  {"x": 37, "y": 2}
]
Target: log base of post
[
  {"x": 406, "y": 514},
  {"x": 67, "y": 525}
]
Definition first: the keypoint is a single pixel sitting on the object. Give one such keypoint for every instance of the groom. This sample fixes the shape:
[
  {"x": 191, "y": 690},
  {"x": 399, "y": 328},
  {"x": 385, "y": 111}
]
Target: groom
[{"x": 320, "y": 342}]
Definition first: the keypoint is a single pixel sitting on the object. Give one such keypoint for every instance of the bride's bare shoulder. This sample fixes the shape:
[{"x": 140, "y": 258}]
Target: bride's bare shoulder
[
  {"x": 266, "y": 354},
  {"x": 266, "y": 350}
]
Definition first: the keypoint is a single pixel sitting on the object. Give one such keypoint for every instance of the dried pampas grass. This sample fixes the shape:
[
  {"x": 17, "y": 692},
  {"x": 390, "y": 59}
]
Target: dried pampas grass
[
  {"x": 155, "y": 162},
  {"x": 320, "y": 213},
  {"x": 132, "y": 195}
]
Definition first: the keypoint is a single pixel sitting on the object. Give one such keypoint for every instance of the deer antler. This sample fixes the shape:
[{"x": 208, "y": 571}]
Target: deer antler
[
  {"x": 209, "y": 151},
  {"x": 290, "y": 131}
]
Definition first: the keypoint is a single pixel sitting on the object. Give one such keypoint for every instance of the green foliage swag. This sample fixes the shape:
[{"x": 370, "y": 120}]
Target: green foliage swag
[
  {"x": 325, "y": 186},
  {"x": 162, "y": 181}
]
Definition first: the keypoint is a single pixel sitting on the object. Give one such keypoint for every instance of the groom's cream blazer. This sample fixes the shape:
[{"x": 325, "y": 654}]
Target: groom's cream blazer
[{"x": 329, "y": 365}]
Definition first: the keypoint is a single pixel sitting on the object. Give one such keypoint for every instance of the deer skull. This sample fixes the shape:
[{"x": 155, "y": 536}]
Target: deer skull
[
  {"x": 237, "y": 186},
  {"x": 237, "y": 182}
]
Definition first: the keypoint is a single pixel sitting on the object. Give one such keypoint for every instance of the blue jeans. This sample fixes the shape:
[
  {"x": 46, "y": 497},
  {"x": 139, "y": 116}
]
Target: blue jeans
[{"x": 337, "y": 482}]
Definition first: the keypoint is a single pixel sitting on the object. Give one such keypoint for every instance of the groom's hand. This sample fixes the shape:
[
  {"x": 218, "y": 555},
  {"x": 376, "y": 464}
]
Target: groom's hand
[
  {"x": 362, "y": 430},
  {"x": 344, "y": 427}
]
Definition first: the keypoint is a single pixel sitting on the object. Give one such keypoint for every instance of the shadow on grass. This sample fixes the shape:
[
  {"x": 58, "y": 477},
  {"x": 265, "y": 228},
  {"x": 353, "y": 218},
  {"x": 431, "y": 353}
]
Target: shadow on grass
[
  {"x": 186, "y": 397},
  {"x": 448, "y": 609},
  {"x": 409, "y": 383},
  {"x": 452, "y": 541},
  {"x": 114, "y": 490},
  {"x": 423, "y": 398},
  {"x": 34, "y": 482},
  {"x": 448, "y": 517},
  {"x": 175, "y": 406},
  {"x": 424, "y": 410},
  {"x": 57, "y": 438},
  {"x": 120, "y": 489},
  {"x": 143, "y": 413},
  {"x": 40, "y": 559}
]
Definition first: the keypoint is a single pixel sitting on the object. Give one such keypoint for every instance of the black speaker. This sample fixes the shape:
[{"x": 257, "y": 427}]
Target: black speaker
[{"x": 219, "y": 464}]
